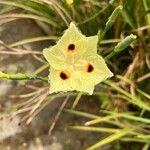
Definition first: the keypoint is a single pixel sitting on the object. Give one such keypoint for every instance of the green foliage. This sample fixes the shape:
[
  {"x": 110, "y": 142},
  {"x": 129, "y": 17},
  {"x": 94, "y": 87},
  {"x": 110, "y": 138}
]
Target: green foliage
[{"x": 124, "y": 99}]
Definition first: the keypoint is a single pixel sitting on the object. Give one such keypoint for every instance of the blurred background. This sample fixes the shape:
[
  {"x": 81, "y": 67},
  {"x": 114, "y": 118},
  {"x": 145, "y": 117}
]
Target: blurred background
[{"x": 115, "y": 117}]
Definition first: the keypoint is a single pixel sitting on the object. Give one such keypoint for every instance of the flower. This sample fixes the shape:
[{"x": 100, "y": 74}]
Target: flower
[
  {"x": 69, "y": 2},
  {"x": 74, "y": 63}
]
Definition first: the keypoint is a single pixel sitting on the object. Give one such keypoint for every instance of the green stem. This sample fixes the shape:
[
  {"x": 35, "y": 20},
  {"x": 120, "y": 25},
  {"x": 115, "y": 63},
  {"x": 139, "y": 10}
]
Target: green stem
[
  {"x": 21, "y": 76},
  {"x": 147, "y": 8},
  {"x": 96, "y": 14},
  {"x": 40, "y": 69},
  {"x": 110, "y": 22}
]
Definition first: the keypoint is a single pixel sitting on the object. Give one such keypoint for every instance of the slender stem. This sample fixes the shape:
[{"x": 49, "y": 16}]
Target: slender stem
[
  {"x": 97, "y": 14},
  {"x": 21, "y": 76},
  {"x": 110, "y": 22},
  {"x": 76, "y": 100},
  {"x": 147, "y": 9},
  {"x": 58, "y": 114},
  {"x": 40, "y": 69}
]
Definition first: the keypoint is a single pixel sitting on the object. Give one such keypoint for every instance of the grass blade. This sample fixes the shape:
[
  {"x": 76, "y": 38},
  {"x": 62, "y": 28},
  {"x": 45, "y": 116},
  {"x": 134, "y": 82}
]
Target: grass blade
[
  {"x": 31, "y": 40},
  {"x": 110, "y": 138},
  {"x": 94, "y": 129},
  {"x": 30, "y": 16}
]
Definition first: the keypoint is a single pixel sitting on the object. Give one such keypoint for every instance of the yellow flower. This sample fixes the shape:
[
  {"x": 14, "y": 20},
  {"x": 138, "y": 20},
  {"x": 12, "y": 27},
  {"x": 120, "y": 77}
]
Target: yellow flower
[
  {"x": 69, "y": 2},
  {"x": 74, "y": 63}
]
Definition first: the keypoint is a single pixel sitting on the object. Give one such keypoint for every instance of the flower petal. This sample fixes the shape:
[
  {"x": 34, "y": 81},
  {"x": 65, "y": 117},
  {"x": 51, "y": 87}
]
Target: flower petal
[
  {"x": 82, "y": 83},
  {"x": 55, "y": 58},
  {"x": 59, "y": 83},
  {"x": 99, "y": 71},
  {"x": 71, "y": 35},
  {"x": 91, "y": 47}
]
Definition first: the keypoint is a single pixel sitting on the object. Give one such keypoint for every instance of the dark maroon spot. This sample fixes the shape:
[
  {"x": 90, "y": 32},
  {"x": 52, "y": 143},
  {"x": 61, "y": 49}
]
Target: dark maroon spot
[
  {"x": 71, "y": 47},
  {"x": 90, "y": 68},
  {"x": 63, "y": 76}
]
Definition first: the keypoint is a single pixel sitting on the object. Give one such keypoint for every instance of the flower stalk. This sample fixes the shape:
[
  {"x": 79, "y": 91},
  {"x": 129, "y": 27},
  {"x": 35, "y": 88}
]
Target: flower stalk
[
  {"x": 110, "y": 22},
  {"x": 121, "y": 46},
  {"x": 21, "y": 76}
]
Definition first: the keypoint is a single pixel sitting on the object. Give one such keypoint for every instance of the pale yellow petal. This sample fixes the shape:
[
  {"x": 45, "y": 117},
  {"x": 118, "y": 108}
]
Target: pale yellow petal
[
  {"x": 86, "y": 47},
  {"x": 100, "y": 72},
  {"x": 92, "y": 45},
  {"x": 70, "y": 36},
  {"x": 83, "y": 47},
  {"x": 55, "y": 58},
  {"x": 81, "y": 83},
  {"x": 57, "y": 84}
]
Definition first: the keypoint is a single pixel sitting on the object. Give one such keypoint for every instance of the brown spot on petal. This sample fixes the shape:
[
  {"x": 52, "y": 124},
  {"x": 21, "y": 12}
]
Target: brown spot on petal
[
  {"x": 90, "y": 68},
  {"x": 64, "y": 75},
  {"x": 71, "y": 47}
]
